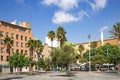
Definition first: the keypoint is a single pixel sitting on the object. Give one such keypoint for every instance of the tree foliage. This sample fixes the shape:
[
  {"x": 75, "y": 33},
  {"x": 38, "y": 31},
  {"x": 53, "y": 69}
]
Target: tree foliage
[
  {"x": 8, "y": 44},
  {"x": 34, "y": 46},
  {"x": 51, "y": 35},
  {"x": 115, "y": 31},
  {"x": 64, "y": 56},
  {"x": 81, "y": 48},
  {"x": 93, "y": 44},
  {"x": 38, "y": 48},
  {"x": 104, "y": 54},
  {"x": 60, "y": 34},
  {"x": 18, "y": 60}
]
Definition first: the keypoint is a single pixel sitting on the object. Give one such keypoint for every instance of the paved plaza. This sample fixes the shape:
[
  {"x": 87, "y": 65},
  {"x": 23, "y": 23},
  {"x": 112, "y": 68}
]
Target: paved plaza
[{"x": 62, "y": 76}]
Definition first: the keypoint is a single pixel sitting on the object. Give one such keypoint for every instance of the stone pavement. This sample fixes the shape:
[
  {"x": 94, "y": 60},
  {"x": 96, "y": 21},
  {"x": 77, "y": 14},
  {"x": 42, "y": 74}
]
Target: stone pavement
[{"x": 61, "y": 76}]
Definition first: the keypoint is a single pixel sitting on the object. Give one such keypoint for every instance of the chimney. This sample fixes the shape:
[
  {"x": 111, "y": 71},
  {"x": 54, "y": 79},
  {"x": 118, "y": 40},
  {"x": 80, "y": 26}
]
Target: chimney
[
  {"x": 24, "y": 24},
  {"x": 101, "y": 30}
]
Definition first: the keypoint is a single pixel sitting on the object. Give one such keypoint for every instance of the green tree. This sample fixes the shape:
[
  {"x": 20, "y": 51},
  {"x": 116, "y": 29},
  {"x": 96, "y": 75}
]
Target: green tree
[
  {"x": 81, "y": 49},
  {"x": 99, "y": 59},
  {"x": 41, "y": 63},
  {"x": 54, "y": 54},
  {"x": 115, "y": 31},
  {"x": 113, "y": 53},
  {"x": 107, "y": 52},
  {"x": 93, "y": 44},
  {"x": 64, "y": 56},
  {"x": 51, "y": 36},
  {"x": 48, "y": 64},
  {"x": 18, "y": 60},
  {"x": 60, "y": 34}
]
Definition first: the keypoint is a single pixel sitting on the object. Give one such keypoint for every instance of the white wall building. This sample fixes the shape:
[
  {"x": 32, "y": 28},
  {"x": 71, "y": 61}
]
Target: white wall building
[{"x": 55, "y": 42}]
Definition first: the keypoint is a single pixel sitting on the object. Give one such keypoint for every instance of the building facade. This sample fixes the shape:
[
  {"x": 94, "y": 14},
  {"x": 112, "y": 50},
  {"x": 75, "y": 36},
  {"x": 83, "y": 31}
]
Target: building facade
[
  {"x": 20, "y": 34},
  {"x": 99, "y": 43},
  {"x": 46, "y": 51}
]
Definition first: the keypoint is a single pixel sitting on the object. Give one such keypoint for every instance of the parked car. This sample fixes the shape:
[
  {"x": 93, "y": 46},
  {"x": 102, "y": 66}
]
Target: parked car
[
  {"x": 82, "y": 68},
  {"x": 93, "y": 68}
]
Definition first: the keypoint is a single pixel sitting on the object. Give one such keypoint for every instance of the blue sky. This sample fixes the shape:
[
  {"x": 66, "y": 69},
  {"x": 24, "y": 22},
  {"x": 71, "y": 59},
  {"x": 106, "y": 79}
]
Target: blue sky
[{"x": 78, "y": 17}]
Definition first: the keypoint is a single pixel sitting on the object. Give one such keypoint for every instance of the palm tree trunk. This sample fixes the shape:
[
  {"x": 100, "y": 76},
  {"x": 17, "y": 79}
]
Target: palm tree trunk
[
  {"x": 11, "y": 68},
  {"x": 31, "y": 53},
  {"x": 52, "y": 45}
]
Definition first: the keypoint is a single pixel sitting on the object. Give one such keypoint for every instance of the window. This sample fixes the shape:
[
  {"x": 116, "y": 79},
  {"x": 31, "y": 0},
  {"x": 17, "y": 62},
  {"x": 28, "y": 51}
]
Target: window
[
  {"x": 21, "y": 44},
  {"x": 21, "y": 51},
  {"x": 7, "y": 58},
  {"x": 25, "y": 38},
  {"x": 29, "y": 38},
  {"x": 7, "y": 50},
  {"x": 2, "y": 50},
  {"x": 28, "y": 31},
  {"x": 35, "y": 56},
  {"x": 25, "y": 51},
  {"x": 26, "y": 45},
  {"x": 1, "y": 32},
  {"x": 1, "y": 58},
  {"x": 12, "y": 36},
  {"x": 17, "y": 37},
  {"x": 21, "y": 30},
  {"x": 17, "y": 51},
  {"x": 21, "y": 37},
  {"x": 7, "y": 34},
  {"x": 13, "y": 50},
  {"x": 17, "y": 44}
]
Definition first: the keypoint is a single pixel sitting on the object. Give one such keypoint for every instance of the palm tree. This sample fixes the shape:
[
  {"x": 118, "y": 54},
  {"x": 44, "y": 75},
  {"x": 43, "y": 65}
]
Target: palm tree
[
  {"x": 38, "y": 48},
  {"x": 115, "y": 31},
  {"x": 81, "y": 49},
  {"x": 51, "y": 36},
  {"x": 1, "y": 36},
  {"x": 60, "y": 34},
  {"x": 93, "y": 44},
  {"x": 8, "y": 44},
  {"x": 31, "y": 45}
]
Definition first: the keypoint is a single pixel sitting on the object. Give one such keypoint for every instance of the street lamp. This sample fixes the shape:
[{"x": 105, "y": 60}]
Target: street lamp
[
  {"x": 89, "y": 54},
  {"x": 108, "y": 62}
]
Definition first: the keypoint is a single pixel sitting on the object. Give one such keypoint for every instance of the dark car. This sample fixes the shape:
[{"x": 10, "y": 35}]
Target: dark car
[{"x": 93, "y": 68}]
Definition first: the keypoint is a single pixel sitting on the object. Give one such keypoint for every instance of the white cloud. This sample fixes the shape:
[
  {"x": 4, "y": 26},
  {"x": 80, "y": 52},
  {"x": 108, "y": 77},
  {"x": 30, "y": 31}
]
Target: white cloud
[
  {"x": 98, "y": 4},
  {"x": 62, "y": 4},
  {"x": 64, "y": 17}
]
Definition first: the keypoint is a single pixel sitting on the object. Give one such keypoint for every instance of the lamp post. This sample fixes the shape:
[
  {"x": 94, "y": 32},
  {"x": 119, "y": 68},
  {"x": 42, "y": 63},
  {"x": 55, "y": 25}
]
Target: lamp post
[
  {"x": 89, "y": 54},
  {"x": 108, "y": 62}
]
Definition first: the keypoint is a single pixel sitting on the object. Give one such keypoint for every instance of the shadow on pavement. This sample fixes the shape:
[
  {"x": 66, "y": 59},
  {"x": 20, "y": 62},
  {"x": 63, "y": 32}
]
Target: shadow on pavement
[
  {"x": 10, "y": 78},
  {"x": 64, "y": 75}
]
